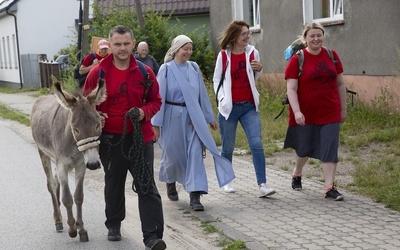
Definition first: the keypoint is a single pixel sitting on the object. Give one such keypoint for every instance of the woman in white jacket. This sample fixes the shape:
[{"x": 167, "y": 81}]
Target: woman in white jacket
[{"x": 238, "y": 98}]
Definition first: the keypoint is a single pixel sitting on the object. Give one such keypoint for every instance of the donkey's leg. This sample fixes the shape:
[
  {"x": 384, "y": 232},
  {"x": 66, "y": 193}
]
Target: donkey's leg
[
  {"x": 78, "y": 196},
  {"x": 67, "y": 200},
  {"x": 53, "y": 186}
]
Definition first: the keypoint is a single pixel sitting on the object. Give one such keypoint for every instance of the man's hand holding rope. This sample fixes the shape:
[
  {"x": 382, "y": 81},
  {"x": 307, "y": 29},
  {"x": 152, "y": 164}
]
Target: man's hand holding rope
[
  {"x": 103, "y": 117},
  {"x": 141, "y": 116}
]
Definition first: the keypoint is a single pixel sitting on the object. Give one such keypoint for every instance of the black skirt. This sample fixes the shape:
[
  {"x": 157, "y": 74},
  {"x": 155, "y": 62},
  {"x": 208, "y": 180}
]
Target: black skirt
[{"x": 316, "y": 141}]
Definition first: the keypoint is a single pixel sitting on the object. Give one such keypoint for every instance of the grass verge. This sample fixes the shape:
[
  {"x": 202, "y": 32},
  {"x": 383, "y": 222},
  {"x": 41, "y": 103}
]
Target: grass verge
[
  {"x": 221, "y": 240},
  {"x": 13, "y": 115}
]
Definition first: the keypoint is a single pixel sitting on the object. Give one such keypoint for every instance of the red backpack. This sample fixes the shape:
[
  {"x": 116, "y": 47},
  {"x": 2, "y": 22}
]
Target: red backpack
[{"x": 224, "y": 66}]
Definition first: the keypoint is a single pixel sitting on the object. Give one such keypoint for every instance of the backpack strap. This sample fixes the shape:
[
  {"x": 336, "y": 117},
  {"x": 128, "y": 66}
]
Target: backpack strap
[
  {"x": 252, "y": 56},
  {"x": 330, "y": 53},
  {"x": 146, "y": 80},
  {"x": 143, "y": 70},
  {"x": 224, "y": 61},
  {"x": 224, "y": 66}
]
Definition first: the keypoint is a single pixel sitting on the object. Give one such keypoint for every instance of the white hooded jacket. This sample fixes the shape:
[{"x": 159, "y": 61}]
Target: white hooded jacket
[{"x": 224, "y": 94}]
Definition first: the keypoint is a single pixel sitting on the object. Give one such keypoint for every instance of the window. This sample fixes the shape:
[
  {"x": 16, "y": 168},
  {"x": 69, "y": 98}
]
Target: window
[
  {"x": 14, "y": 46},
  {"x": 4, "y": 52},
  {"x": 248, "y": 10},
  {"x": 322, "y": 10},
  {"x": 1, "y": 56},
  {"x": 9, "y": 53}
]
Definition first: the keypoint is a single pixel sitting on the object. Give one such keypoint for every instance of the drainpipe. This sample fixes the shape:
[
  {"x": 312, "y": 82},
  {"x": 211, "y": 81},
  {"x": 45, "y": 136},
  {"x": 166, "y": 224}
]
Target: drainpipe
[{"x": 16, "y": 38}]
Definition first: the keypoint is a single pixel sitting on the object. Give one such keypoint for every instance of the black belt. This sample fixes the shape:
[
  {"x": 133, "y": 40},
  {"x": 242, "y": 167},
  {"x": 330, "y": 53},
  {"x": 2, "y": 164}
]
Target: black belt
[
  {"x": 176, "y": 103},
  {"x": 241, "y": 103}
]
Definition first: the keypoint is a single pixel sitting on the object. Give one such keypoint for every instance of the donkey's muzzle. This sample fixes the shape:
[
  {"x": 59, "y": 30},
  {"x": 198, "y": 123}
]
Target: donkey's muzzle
[{"x": 93, "y": 165}]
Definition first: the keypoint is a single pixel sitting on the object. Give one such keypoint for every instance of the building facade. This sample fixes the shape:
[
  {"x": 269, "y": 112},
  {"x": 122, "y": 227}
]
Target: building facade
[{"x": 364, "y": 33}]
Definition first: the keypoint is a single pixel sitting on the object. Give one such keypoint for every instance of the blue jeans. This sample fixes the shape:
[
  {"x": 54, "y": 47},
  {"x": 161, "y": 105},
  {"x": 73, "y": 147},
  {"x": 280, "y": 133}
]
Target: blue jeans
[{"x": 245, "y": 113}]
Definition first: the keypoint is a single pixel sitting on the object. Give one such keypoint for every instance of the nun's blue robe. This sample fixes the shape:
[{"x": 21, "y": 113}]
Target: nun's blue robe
[{"x": 183, "y": 130}]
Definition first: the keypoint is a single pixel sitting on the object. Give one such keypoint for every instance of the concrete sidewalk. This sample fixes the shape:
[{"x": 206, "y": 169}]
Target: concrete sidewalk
[{"x": 288, "y": 219}]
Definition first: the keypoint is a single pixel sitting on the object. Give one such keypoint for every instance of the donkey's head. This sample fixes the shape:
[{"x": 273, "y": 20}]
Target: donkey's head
[{"x": 84, "y": 120}]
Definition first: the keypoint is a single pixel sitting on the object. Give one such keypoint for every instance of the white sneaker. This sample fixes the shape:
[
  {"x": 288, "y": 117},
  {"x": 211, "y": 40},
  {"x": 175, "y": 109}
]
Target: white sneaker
[
  {"x": 265, "y": 191},
  {"x": 229, "y": 188}
]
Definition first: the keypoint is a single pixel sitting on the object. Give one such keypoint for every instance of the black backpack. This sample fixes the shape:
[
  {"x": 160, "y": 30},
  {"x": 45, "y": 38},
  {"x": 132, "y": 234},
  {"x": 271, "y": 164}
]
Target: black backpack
[{"x": 81, "y": 78}]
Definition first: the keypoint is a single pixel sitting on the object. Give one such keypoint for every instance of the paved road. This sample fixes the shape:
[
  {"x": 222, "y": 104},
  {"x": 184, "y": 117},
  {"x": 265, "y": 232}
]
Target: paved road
[
  {"x": 287, "y": 220},
  {"x": 26, "y": 212}
]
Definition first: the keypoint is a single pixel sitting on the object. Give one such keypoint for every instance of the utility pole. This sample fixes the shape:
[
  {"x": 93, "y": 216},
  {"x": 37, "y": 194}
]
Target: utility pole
[
  {"x": 139, "y": 13},
  {"x": 85, "y": 28},
  {"x": 79, "y": 55}
]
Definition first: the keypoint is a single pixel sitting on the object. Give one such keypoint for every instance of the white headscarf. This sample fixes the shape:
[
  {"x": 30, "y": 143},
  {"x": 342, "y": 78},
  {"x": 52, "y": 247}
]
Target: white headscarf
[{"x": 176, "y": 44}]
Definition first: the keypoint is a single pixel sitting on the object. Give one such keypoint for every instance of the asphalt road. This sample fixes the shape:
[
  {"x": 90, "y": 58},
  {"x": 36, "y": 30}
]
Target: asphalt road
[{"x": 26, "y": 216}]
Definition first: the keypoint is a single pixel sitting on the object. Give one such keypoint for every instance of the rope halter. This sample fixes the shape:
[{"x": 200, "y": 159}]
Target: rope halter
[{"x": 87, "y": 143}]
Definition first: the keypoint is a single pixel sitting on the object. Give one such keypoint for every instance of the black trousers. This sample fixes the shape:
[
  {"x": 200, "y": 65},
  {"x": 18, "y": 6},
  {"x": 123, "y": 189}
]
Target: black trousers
[{"x": 116, "y": 168}]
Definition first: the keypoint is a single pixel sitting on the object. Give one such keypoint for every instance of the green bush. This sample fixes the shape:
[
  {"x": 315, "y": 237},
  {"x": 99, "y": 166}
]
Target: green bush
[{"x": 157, "y": 32}]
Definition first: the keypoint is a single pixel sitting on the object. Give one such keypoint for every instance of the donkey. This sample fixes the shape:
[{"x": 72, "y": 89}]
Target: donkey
[{"x": 66, "y": 128}]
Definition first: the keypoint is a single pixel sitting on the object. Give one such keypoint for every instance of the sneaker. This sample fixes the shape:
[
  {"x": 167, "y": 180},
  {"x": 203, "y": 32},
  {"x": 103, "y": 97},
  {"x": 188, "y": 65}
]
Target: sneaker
[
  {"x": 296, "y": 182},
  {"x": 229, "y": 188},
  {"x": 265, "y": 191},
  {"x": 333, "y": 193},
  {"x": 155, "y": 244},
  {"x": 114, "y": 234}
]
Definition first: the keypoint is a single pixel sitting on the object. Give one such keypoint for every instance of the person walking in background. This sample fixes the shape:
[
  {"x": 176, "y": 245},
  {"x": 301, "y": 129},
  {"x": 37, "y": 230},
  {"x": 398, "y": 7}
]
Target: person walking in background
[
  {"x": 317, "y": 107},
  {"x": 181, "y": 126},
  {"x": 142, "y": 54},
  {"x": 238, "y": 98},
  {"x": 92, "y": 60},
  {"x": 128, "y": 99}
]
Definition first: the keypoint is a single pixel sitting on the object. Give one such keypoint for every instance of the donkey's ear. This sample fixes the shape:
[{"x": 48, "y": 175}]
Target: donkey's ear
[
  {"x": 66, "y": 100},
  {"x": 99, "y": 94}
]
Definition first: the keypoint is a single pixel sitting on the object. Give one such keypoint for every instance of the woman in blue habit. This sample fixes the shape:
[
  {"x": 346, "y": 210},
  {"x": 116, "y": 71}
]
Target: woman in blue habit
[{"x": 181, "y": 126}]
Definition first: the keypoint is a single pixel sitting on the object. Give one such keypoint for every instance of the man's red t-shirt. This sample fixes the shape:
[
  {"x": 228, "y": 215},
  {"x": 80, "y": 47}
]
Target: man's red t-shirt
[
  {"x": 317, "y": 90},
  {"x": 118, "y": 100}
]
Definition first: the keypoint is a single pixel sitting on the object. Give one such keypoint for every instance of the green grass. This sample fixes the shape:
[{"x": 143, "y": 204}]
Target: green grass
[
  {"x": 222, "y": 240},
  {"x": 13, "y": 115}
]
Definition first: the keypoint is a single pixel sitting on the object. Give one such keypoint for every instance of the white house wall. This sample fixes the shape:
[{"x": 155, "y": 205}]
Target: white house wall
[
  {"x": 7, "y": 73},
  {"x": 46, "y": 26}
]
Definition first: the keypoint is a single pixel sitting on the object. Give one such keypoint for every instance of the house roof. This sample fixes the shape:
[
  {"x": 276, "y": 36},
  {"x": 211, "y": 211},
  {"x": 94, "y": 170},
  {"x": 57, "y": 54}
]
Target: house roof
[{"x": 179, "y": 7}]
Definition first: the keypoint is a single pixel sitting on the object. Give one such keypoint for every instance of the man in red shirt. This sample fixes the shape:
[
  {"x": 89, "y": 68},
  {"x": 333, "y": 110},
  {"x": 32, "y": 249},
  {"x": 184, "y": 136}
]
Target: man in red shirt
[
  {"x": 92, "y": 60},
  {"x": 126, "y": 94}
]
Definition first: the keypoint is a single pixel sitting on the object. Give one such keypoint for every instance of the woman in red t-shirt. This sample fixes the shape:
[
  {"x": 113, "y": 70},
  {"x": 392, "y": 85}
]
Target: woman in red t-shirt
[{"x": 317, "y": 107}]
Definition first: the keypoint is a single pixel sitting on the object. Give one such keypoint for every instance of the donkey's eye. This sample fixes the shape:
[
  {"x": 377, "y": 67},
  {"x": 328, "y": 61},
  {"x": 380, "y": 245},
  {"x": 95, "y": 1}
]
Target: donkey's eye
[
  {"x": 98, "y": 126},
  {"x": 76, "y": 131}
]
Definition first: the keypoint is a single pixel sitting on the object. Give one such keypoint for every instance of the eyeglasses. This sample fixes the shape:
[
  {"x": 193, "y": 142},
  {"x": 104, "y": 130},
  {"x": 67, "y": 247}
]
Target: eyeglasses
[{"x": 246, "y": 34}]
